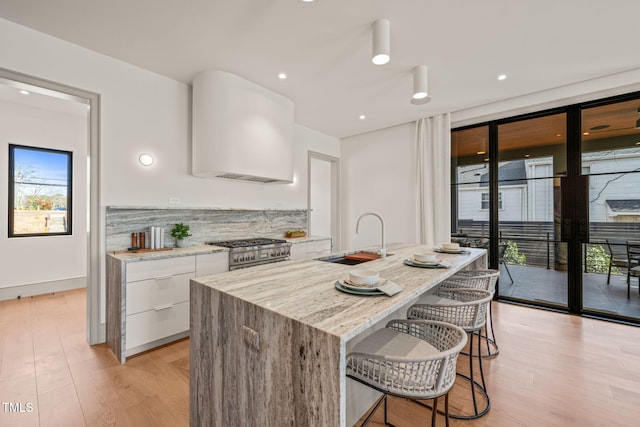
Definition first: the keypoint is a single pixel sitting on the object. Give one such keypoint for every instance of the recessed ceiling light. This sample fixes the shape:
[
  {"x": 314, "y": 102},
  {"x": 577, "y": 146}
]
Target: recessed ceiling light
[
  {"x": 527, "y": 155},
  {"x": 486, "y": 159},
  {"x": 638, "y": 143},
  {"x": 362, "y": 117},
  {"x": 24, "y": 92},
  {"x": 585, "y": 133},
  {"x": 282, "y": 76},
  {"x": 145, "y": 159},
  {"x": 558, "y": 134},
  {"x": 502, "y": 77},
  {"x": 308, "y": 1},
  {"x": 480, "y": 153}
]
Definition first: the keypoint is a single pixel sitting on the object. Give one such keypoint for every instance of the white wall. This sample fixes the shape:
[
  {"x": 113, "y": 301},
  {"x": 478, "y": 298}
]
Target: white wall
[
  {"x": 378, "y": 175},
  {"x": 29, "y": 260},
  {"x": 145, "y": 112},
  {"x": 611, "y": 187}
]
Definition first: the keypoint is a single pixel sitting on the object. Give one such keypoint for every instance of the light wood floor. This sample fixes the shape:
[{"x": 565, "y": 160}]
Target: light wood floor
[{"x": 553, "y": 370}]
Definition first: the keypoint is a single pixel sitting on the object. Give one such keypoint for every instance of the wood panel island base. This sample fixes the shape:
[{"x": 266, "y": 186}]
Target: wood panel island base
[{"x": 269, "y": 343}]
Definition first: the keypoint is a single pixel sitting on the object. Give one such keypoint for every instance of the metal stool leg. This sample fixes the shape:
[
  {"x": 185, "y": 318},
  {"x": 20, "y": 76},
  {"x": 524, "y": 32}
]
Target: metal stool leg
[
  {"x": 446, "y": 408},
  {"x": 474, "y": 385},
  {"x": 492, "y": 346},
  {"x": 434, "y": 412},
  {"x": 381, "y": 400}
]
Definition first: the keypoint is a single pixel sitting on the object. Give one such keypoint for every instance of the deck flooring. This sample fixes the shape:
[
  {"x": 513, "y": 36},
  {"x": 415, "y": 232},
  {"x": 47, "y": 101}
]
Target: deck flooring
[{"x": 541, "y": 285}]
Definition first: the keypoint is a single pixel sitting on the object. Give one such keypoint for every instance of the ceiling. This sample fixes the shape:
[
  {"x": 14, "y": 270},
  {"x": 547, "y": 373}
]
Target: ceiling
[{"x": 325, "y": 48}]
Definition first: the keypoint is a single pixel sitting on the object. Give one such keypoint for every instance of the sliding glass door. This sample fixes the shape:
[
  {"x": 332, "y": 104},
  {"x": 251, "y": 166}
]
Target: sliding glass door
[
  {"x": 610, "y": 154},
  {"x": 555, "y": 198},
  {"x": 531, "y": 162}
]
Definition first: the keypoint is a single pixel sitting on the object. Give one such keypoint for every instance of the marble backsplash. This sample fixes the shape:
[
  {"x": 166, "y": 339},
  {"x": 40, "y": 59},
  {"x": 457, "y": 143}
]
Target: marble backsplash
[{"x": 205, "y": 224}]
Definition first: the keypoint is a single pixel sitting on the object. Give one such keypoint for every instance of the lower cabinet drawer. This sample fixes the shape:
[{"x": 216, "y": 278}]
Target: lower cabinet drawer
[
  {"x": 155, "y": 324},
  {"x": 153, "y": 293}
]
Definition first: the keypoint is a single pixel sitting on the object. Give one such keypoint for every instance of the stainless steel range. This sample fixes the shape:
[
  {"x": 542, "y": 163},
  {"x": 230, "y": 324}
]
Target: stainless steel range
[{"x": 245, "y": 253}]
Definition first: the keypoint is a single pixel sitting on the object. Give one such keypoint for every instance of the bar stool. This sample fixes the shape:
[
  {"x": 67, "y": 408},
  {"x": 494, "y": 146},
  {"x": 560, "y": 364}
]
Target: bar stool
[
  {"x": 414, "y": 359},
  {"x": 478, "y": 279},
  {"x": 466, "y": 308}
]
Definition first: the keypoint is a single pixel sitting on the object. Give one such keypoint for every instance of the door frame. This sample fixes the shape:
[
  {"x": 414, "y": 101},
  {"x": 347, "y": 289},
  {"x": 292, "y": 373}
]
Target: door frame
[
  {"x": 95, "y": 332},
  {"x": 574, "y": 203},
  {"x": 335, "y": 195}
]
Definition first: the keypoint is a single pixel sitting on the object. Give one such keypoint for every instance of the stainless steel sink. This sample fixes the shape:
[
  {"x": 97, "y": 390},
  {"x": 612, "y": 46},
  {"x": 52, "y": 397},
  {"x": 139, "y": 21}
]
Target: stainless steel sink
[{"x": 340, "y": 259}]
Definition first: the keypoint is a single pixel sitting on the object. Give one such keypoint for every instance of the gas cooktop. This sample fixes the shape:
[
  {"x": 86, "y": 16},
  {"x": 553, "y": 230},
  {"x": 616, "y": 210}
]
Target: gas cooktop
[{"x": 243, "y": 243}]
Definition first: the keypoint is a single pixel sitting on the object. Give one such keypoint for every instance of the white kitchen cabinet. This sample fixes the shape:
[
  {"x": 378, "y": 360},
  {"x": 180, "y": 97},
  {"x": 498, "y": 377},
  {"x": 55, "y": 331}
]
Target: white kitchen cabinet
[
  {"x": 156, "y": 325},
  {"x": 298, "y": 251},
  {"x": 148, "y": 296},
  {"x": 310, "y": 249},
  {"x": 147, "y": 302},
  {"x": 207, "y": 264},
  {"x": 318, "y": 248}
]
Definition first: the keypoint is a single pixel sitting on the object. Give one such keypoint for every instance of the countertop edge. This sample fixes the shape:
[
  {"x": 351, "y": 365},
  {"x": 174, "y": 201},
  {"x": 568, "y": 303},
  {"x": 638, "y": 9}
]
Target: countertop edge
[{"x": 173, "y": 253}]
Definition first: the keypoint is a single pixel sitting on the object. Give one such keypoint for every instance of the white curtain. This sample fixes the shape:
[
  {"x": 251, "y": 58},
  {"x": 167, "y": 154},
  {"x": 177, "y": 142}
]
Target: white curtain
[{"x": 433, "y": 179}]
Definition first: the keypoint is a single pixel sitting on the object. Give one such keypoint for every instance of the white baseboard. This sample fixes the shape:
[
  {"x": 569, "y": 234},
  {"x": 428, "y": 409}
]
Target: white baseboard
[{"x": 22, "y": 291}]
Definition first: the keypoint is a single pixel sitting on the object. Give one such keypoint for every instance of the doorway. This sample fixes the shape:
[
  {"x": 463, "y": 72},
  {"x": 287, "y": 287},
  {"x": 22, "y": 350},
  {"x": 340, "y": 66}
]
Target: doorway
[
  {"x": 50, "y": 97},
  {"x": 323, "y": 200}
]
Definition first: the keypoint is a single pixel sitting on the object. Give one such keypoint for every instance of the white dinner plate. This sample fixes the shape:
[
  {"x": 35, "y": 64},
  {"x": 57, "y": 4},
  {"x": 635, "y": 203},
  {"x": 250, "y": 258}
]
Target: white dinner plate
[
  {"x": 451, "y": 251},
  {"x": 361, "y": 288},
  {"x": 412, "y": 263},
  {"x": 425, "y": 263},
  {"x": 358, "y": 291}
]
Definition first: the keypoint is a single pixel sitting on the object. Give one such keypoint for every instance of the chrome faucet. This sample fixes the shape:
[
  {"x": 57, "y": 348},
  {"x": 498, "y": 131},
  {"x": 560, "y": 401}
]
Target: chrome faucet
[{"x": 383, "y": 249}]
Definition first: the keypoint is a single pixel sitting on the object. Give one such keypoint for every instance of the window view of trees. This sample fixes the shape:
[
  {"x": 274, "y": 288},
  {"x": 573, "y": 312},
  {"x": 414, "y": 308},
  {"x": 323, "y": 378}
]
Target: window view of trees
[{"x": 39, "y": 191}]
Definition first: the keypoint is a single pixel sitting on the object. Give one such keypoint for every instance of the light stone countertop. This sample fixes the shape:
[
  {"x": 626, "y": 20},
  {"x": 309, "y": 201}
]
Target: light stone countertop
[
  {"x": 305, "y": 290},
  {"x": 172, "y": 253},
  {"x": 304, "y": 239}
]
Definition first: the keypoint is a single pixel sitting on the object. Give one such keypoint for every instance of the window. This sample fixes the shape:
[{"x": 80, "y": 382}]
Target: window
[
  {"x": 485, "y": 200},
  {"x": 39, "y": 191}
]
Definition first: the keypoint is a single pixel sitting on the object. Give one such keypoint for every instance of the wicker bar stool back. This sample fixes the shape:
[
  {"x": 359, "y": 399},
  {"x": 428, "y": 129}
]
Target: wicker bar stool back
[
  {"x": 466, "y": 308},
  {"x": 479, "y": 279},
  {"x": 414, "y": 359}
]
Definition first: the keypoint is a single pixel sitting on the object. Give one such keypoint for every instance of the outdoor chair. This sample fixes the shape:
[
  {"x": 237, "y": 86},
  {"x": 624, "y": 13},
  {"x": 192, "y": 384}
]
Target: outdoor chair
[
  {"x": 617, "y": 256},
  {"x": 414, "y": 359},
  {"x": 502, "y": 247},
  {"x": 633, "y": 258}
]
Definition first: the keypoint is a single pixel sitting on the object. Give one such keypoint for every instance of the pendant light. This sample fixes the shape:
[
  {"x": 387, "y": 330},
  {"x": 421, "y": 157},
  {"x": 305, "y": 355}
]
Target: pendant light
[
  {"x": 420, "y": 85},
  {"x": 381, "y": 42}
]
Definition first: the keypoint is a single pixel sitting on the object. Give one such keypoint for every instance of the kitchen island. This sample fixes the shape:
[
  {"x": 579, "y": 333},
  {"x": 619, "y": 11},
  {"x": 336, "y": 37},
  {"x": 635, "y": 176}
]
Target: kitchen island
[{"x": 269, "y": 343}]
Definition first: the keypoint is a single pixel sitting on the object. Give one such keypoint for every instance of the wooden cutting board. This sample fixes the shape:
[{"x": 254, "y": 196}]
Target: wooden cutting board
[{"x": 363, "y": 256}]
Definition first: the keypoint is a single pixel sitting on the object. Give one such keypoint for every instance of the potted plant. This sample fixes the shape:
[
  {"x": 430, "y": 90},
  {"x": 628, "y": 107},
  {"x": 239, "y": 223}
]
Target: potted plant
[{"x": 181, "y": 234}]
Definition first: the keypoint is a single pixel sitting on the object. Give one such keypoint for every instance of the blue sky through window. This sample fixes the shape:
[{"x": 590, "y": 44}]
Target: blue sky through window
[{"x": 43, "y": 168}]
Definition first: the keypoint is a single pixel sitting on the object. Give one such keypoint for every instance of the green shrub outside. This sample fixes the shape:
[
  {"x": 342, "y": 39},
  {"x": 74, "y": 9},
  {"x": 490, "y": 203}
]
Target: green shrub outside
[
  {"x": 598, "y": 260},
  {"x": 512, "y": 255}
]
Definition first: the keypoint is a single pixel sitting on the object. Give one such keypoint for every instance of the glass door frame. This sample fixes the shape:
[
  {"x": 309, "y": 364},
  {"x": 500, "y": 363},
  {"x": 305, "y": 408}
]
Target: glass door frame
[{"x": 574, "y": 203}]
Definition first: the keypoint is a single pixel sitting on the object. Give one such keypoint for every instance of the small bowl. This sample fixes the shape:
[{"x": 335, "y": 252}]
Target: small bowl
[
  {"x": 364, "y": 277},
  {"x": 451, "y": 246},
  {"x": 424, "y": 257}
]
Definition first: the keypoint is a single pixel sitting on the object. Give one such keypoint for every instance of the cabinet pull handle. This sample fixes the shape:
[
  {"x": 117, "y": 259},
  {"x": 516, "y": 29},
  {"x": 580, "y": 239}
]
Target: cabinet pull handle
[
  {"x": 163, "y": 277},
  {"x": 163, "y": 307}
]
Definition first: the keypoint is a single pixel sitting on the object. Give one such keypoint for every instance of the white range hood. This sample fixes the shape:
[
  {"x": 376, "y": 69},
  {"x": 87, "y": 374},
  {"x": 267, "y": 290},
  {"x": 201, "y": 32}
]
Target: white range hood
[{"x": 240, "y": 130}]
